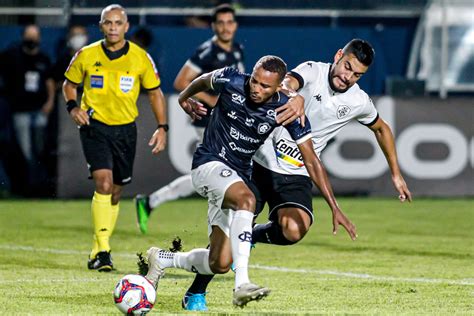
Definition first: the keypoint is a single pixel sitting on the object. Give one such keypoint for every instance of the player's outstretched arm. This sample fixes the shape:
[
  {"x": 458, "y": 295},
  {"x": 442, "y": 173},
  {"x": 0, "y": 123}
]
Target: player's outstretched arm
[
  {"x": 158, "y": 105},
  {"x": 385, "y": 139},
  {"x": 319, "y": 176}
]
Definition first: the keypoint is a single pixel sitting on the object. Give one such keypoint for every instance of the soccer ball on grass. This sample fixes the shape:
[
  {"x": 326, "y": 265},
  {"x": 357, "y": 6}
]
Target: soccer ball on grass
[{"x": 134, "y": 295}]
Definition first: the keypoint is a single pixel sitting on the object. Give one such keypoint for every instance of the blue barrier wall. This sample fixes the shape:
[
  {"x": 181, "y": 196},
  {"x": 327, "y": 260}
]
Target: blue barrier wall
[{"x": 173, "y": 45}]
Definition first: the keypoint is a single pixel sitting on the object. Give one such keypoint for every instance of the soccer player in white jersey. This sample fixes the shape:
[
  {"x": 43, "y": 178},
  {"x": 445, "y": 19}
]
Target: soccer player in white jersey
[{"x": 332, "y": 100}]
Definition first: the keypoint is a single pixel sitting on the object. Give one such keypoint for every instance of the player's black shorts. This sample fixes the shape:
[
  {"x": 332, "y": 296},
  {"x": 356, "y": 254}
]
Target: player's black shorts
[
  {"x": 280, "y": 191},
  {"x": 110, "y": 147}
]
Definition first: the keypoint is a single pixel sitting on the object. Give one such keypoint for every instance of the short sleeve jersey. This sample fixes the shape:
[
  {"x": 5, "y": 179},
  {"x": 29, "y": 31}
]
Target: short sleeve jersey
[
  {"x": 209, "y": 56},
  {"x": 328, "y": 111},
  {"x": 238, "y": 126},
  {"x": 112, "y": 86}
]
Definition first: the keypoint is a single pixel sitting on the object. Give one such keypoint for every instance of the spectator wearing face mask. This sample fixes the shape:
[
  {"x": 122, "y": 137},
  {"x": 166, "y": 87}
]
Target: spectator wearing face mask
[
  {"x": 77, "y": 38},
  {"x": 30, "y": 91}
]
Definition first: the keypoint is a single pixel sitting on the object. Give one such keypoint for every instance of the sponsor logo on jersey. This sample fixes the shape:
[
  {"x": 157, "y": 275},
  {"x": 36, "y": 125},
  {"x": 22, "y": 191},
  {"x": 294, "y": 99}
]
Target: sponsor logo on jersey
[
  {"x": 271, "y": 114},
  {"x": 237, "y": 55},
  {"x": 232, "y": 115},
  {"x": 235, "y": 134},
  {"x": 218, "y": 77},
  {"x": 98, "y": 64},
  {"x": 222, "y": 153},
  {"x": 249, "y": 121},
  {"x": 263, "y": 128},
  {"x": 317, "y": 97},
  {"x": 97, "y": 82},
  {"x": 237, "y": 98},
  {"x": 126, "y": 83},
  {"x": 289, "y": 153},
  {"x": 226, "y": 173},
  {"x": 234, "y": 147},
  {"x": 342, "y": 111}
]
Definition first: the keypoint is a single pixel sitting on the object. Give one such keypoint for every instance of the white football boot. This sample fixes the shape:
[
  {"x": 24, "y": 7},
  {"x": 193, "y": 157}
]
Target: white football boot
[
  {"x": 157, "y": 263},
  {"x": 249, "y": 292}
]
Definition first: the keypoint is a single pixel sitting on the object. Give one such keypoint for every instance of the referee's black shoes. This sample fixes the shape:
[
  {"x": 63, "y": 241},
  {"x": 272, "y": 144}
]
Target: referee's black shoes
[{"x": 102, "y": 262}]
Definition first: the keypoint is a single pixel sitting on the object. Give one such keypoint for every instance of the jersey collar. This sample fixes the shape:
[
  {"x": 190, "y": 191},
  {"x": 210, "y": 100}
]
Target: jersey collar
[{"x": 117, "y": 54}]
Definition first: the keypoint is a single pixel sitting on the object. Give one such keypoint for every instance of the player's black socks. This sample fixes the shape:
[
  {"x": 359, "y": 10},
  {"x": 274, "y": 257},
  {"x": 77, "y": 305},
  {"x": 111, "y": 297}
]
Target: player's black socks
[
  {"x": 270, "y": 233},
  {"x": 200, "y": 283}
]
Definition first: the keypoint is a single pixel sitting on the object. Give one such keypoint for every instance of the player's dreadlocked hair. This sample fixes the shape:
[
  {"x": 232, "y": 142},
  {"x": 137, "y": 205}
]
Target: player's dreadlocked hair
[{"x": 273, "y": 64}]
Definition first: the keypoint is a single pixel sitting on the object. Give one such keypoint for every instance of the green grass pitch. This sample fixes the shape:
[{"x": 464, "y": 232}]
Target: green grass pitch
[{"x": 409, "y": 259}]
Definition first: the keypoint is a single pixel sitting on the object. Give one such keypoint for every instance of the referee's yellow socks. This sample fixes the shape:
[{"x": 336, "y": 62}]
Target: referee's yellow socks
[
  {"x": 113, "y": 218},
  {"x": 101, "y": 217}
]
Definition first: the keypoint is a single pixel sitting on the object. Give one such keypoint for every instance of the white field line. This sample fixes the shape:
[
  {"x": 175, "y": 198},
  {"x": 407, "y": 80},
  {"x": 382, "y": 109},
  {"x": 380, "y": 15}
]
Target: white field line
[{"x": 361, "y": 276}]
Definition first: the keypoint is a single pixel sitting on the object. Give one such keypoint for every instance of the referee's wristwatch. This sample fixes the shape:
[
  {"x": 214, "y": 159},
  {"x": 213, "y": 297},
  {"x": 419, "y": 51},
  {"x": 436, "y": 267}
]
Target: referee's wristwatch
[{"x": 163, "y": 126}]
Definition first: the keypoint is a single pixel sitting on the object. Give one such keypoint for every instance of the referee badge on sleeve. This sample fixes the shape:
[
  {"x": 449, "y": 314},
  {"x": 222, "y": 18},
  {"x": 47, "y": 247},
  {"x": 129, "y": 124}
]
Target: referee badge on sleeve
[{"x": 126, "y": 83}]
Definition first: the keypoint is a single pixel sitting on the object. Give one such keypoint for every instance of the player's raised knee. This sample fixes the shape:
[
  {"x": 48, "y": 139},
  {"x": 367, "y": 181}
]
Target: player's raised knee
[{"x": 246, "y": 201}]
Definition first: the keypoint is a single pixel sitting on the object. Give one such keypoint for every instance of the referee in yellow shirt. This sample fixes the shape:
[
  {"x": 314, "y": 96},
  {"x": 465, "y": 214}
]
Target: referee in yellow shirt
[{"x": 112, "y": 71}]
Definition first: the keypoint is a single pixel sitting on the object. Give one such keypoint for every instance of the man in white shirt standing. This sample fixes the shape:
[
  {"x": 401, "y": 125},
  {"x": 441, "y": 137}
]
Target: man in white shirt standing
[{"x": 332, "y": 100}]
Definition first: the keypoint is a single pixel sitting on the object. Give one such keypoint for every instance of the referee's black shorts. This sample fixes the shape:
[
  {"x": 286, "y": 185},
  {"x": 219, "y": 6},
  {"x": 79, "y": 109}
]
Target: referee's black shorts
[
  {"x": 280, "y": 191},
  {"x": 110, "y": 147}
]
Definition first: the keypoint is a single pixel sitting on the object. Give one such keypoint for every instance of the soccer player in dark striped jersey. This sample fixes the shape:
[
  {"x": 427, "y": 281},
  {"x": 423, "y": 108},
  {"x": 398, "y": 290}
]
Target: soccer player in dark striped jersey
[
  {"x": 217, "y": 52},
  {"x": 244, "y": 116}
]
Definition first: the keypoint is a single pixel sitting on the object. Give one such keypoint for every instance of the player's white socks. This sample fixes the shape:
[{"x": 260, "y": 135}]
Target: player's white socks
[
  {"x": 240, "y": 240},
  {"x": 196, "y": 260},
  {"x": 180, "y": 187}
]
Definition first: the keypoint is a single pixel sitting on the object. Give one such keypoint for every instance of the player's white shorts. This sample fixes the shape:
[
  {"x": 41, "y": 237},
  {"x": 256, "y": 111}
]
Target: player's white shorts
[{"x": 212, "y": 180}]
